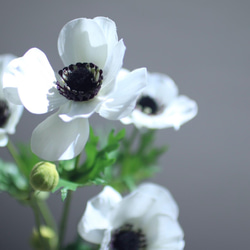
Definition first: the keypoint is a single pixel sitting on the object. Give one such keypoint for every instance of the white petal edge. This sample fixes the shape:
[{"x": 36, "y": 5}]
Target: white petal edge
[
  {"x": 109, "y": 30},
  {"x": 54, "y": 139},
  {"x": 16, "y": 113},
  {"x": 180, "y": 111},
  {"x": 95, "y": 219},
  {"x": 122, "y": 101},
  {"x": 112, "y": 67},
  {"x": 164, "y": 231},
  {"x": 12, "y": 78}
]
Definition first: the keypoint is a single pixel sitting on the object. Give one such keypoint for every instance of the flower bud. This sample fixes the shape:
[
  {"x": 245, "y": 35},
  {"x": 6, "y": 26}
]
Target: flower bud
[
  {"x": 44, "y": 176},
  {"x": 48, "y": 238}
]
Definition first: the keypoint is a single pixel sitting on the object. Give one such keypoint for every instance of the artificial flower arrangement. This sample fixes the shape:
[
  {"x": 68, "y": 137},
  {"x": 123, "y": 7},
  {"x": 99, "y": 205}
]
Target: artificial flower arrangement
[{"x": 129, "y": 213}]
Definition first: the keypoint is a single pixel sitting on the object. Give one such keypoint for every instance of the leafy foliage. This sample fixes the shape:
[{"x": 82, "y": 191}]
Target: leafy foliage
[
  {"x": 137, "y": 160},
  {"x": 91, "y": 171},
  {"x": 12, "y": 181}
]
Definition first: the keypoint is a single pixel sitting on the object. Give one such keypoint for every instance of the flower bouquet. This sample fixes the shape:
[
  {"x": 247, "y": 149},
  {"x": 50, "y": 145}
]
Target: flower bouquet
[{"x": 67, "y": 153}]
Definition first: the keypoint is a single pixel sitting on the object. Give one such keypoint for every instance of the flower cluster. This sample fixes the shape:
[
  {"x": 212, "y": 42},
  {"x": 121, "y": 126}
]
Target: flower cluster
[{"x": 93, "y": 80}]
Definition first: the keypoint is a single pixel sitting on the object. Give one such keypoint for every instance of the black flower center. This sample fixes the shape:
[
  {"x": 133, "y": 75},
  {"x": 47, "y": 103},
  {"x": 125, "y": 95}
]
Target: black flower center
[
  {"x": 147, "y": 105},
  {"x": 80, "y": 82},
  {"x": 4, "y": 113},
  {"x": 126, "y": 238}
]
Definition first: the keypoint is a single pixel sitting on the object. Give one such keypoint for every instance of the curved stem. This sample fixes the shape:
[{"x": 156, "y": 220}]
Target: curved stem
[{"x": 64, "y": 218}]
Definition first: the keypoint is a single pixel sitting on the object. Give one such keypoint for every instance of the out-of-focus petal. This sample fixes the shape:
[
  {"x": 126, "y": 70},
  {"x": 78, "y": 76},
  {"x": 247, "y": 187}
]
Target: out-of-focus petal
[
  {"x": 164, "y": 232},
  {"x": 16, "y": 113},
  {"x": 96, "y": 217},
  {"x": 165, "y": 202},
  {"x": 3, "y": 138},
  {"x": 180, "y": 111}
]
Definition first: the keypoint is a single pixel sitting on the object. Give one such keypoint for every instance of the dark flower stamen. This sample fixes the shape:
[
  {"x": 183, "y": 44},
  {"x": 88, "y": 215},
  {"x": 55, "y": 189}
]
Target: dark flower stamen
[
  {"x": 4, "y": 113},
  {"x": 147, "y": 105},
  {"x": 80, "y": 82},
  {"x": 127, "y": 238}
]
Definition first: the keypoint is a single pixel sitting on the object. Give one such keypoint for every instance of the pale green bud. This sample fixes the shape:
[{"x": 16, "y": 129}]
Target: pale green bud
[
  {"x": 44, "y": 176},
  {"x": 49, "y": 238}
]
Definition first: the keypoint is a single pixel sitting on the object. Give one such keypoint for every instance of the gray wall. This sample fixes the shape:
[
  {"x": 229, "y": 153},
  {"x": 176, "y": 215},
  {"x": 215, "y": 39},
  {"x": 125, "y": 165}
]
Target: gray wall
[{"x": 204, "y": 47}]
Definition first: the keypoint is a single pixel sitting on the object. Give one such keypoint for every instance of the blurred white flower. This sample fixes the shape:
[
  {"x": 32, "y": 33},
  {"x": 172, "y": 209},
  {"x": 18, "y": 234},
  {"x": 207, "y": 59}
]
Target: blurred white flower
[
  {"x": 160, "y": 106},
  {"x": 10, "y": 114},
  {"x": 144, "y": 219},
  {"x": 93, "y": 56}
]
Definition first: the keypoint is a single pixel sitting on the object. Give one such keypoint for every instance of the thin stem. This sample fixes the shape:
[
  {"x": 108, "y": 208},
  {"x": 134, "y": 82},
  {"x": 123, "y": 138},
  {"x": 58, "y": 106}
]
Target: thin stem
[
  {"x": 130, "y": 141},
  {"x": 17, "y": 158},
  {"x": 64, "y": 218},
  {"x": 46, "y": 213},
  {"x": 35, "y": 208},
  {"x": 77, "y": 161}
]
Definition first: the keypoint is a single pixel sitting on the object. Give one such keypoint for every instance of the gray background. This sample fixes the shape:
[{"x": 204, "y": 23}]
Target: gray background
[{"x": 204, "y": 47}]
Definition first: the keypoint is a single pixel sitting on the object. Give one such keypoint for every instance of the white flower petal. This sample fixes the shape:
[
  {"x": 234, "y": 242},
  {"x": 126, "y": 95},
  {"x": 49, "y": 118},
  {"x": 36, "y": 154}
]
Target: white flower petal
[
  {"x": 162, "y": 88},
  {"x": 109, "y": 30},
  {"x": 82, "y": 40},
  {"x": 112, "y": 67},
  {"x": 164, "y": 231},
  {"x": 54, "y": 139},
  {"x": 165, "y": 202},
  {"x": 15, "y": 115},
  {"x": 180, "y": 111},
  {"x": 122, "y": 101},
  {"x": 133, "y": 209},
  {"x": 5, "y": 59},
  {"x": 160, "y": 226},
  {"x": 39, "y": 93},
  {"x": 72, "y": 110},
  {"x": 12, "y": 78},
  {"x": 96, "y": 217},
  {"x": 3, "y": 138},
  {"x": 35, "y": 80},
  {"x": 173, "y": 110}
]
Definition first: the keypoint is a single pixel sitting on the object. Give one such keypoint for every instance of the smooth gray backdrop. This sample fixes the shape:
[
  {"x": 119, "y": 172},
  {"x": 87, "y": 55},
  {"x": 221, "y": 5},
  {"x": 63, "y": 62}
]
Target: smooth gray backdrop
[{"x": 204, "y": 47}]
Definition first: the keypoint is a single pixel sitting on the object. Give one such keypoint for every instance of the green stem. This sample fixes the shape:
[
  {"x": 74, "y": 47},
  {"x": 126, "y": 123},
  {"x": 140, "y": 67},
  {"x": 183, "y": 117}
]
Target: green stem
[
  {"x": 64, "y": 218},
  {"x": 46, "y": 213},
  {"x": 77, "y": 161},
  {"x": 130, "y": 141},
  {"x": 35, "y": 208},
  {"x": 17, "y": 158}
]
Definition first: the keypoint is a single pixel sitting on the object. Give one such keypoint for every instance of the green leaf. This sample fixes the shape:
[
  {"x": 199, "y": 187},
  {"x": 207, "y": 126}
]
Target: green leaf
[{"x": 12, "y": 181}]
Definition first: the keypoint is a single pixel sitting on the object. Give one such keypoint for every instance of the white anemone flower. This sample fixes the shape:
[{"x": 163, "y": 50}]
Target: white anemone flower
[
  {"x": 160, "y": 106},
  {"x": 10, "y": 113},
  {"x": 93, "y": 56},
  {"x": 146, "y": 219}
]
